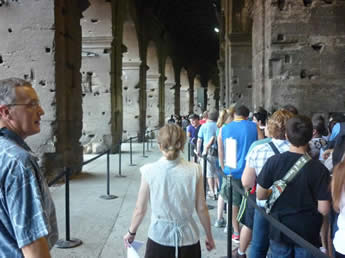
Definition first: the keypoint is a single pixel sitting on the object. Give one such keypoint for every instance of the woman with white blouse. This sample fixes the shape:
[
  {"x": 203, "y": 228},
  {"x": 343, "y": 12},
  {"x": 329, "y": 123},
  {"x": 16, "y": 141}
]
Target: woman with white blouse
[
  {"x": 174, "y": 188},
  {"x": 338, "y": 197}
]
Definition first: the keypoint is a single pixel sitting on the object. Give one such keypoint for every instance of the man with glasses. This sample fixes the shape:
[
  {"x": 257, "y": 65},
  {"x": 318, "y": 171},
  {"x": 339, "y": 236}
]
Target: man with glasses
[{"x": 28, "y": 224}]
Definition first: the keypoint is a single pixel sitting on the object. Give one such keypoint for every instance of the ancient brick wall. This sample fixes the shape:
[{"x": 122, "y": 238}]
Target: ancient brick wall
[{"x": 304, "y": 58}]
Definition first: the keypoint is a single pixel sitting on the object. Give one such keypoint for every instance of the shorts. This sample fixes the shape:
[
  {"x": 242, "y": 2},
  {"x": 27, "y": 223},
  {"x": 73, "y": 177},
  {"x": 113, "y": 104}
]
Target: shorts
[
  {"x": 211, "y": 166},
  {"x": 236, "y": 196},
  {"x": 155, "y": 250}
]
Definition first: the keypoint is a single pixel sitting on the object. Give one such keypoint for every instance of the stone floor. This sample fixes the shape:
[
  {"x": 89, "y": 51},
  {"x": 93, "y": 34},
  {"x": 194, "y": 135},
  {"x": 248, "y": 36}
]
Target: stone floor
[{"x": 101, "y": 224}]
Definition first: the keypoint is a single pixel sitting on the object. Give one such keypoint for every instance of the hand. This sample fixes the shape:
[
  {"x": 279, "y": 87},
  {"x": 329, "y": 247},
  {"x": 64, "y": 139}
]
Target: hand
[
  {"x": 209, "y": 242},
  {"x": 326, "y": 153},
  {"x": 128, "y": 239}
]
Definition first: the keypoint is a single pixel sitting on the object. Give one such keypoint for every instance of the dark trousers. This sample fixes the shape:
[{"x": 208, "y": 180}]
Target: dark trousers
[{"x": 155, "y": 250}]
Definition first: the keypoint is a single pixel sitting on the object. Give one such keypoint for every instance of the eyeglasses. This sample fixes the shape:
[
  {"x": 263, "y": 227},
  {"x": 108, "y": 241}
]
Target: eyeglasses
[{"x": 34, "y": 104}]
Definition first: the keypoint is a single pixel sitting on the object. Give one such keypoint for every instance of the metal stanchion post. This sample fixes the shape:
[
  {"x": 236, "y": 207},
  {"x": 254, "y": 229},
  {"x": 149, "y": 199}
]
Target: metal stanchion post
[
  {"x": 151, "y": 139},
  {"x": 130, "y": 152},
  {"x": 108, "y": 196},
  {"x": 148, "y": 141},
  {"x": 67, "y": 243},
  {"x": 188, "y": 151},
  {"x": 230, "y": 219},
  {"x": 204, "y": 158},
  {"x": 120, "y": 161},
  {"x": 144, "y": 148}
]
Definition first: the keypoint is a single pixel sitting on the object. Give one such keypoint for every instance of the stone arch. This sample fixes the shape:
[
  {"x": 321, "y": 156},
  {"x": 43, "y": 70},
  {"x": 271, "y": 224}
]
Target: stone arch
[
  {"x": 96, "y": 77},
  {"x": 152, "y": 81},
  {"x": 184, "y": 94},
  {"x": 130, "y": 80},
  {"x": 169, "y": 87}
]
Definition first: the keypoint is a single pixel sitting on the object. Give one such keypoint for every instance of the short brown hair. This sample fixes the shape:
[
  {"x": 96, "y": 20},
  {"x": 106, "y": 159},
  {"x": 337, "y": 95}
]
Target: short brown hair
[
  {"x": 171, "y": 139},
  {"x": 277, "y": 123}
]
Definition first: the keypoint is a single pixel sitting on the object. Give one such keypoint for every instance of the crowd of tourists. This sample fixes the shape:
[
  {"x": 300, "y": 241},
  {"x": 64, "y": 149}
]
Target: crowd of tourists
[{"x": 291, "y": 165}]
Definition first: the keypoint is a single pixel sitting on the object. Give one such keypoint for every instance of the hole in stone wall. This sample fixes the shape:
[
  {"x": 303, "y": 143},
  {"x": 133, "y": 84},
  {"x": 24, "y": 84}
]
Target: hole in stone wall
[
  {"x": 51, "y": 90},
  {"x": 91, "y": 135},
  {"x": 136, "y": 117},
  {"x": 152, "y": 89},
  {"x": 94, "y": 20},
  {"x": 249, "y": 86},
  {"x": 125, "y": 88},
  {"x": 9, "y": 30},
  {"x": 317, "y": 46},
  {"x": 124, "y": 131},
  {"x": 96, "y": 93},
  {"x": 150, "y": 96},
  {"x": 106, "y": 51},
  {"x": 26, "y": 76},
  {"x": 149, "y": 116},
  {"x": 281, "y": 4},
  {"x": 83, "y": 94},
  {"x": 137, "y": 86},
  {"x": 287, "y": 59},
  {"x": 32, "y": 74},
  {"x": 47, "y": 50},
  {"x": 280, "y": 37},
  {"x": 42, "y": 83},
  {"x": 303, "y": 74},
  {"x": 1, "y": 60},
  {"x": 307, "y": 2},
  {"x": 103, "y": 113}
]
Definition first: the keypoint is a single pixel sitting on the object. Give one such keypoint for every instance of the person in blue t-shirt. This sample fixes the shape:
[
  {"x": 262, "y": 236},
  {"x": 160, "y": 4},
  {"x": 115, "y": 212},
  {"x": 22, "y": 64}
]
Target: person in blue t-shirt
[{"x": 244, "y": 132}]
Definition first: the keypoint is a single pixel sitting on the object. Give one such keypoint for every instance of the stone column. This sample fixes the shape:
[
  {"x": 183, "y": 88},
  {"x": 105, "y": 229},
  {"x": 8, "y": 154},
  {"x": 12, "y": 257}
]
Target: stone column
[
  {"x": 241, "y": 69},
  {"x": 169, "y": 99},
  {"x": 68, "y": 87},
  {"x": 161, "y": 104},
  {"x": 192, "y": 97},
  {"x": 177, "y": 97},
  {"x": 142, "y": 99},
  {"x": 131, "y": 88},
  {"x": 184, "y": 98},
  {"x": 211, "y": 103},
  {"x": 152, "y": 108},
  {"x": 116, "y": 73}
]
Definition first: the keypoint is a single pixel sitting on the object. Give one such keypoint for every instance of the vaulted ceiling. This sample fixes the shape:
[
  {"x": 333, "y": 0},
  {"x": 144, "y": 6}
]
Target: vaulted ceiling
[{"x": 191, "y": 23}]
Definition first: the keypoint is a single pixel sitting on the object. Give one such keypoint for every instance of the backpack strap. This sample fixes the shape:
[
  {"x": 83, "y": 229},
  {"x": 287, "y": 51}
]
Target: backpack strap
[{"x": 274, "y": 148}]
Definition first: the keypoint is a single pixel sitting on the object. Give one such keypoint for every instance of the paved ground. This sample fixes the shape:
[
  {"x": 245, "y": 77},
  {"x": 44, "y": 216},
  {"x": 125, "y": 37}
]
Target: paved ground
[{"x": 101, "y": 224}]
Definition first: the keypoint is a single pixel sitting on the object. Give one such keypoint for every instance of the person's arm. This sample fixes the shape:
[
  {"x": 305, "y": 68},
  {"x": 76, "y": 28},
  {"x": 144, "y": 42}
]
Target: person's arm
[
  {"x": 139, "y": 212},
  {"x": 198, "y": 146},
  {"x": 323, "y": 207},
  {"x": 248, "y": 177},
  {"x": 209, "y": 144},
  {"x": 220, "y": 149},
  {"x": 262, "y": 193},
  {"x": 202, "y": 211},
  {"x": 37, "y": 249}
]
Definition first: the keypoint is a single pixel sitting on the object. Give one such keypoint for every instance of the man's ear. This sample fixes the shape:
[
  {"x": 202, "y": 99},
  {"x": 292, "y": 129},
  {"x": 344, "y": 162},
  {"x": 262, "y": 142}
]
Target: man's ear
[{"x": 4, "y": 111}]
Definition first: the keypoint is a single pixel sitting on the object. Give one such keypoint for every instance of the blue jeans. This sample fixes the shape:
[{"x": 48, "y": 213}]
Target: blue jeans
[
  {"x": 287, "y": 251},
  {"x": 260, "y": 240}
]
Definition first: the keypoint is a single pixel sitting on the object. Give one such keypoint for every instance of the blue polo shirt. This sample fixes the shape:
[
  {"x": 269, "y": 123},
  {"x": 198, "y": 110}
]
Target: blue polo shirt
[{"x": 245, "y": 133}]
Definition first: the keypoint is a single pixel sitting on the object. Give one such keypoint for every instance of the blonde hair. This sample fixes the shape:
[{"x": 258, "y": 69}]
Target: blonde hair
[
  {"x": 171, "y": 140},
  {"x": 338, "y": 184},
  {"x": 276, "y": 124},
  {"x": 223, "y": 116}
]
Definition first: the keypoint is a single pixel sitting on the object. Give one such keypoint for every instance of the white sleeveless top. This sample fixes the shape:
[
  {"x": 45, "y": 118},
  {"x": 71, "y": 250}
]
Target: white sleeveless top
[
  {"x": 339, "y": 238},
  {"x": 173, "y": 193}
]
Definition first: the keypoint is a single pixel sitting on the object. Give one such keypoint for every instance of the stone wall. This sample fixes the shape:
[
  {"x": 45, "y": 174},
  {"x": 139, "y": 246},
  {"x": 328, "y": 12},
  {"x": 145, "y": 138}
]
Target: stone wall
[
  {"x": 44, "y": 47},
  {"x": 304, "y": 61},
  {"x": 96, "y": 46}
]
